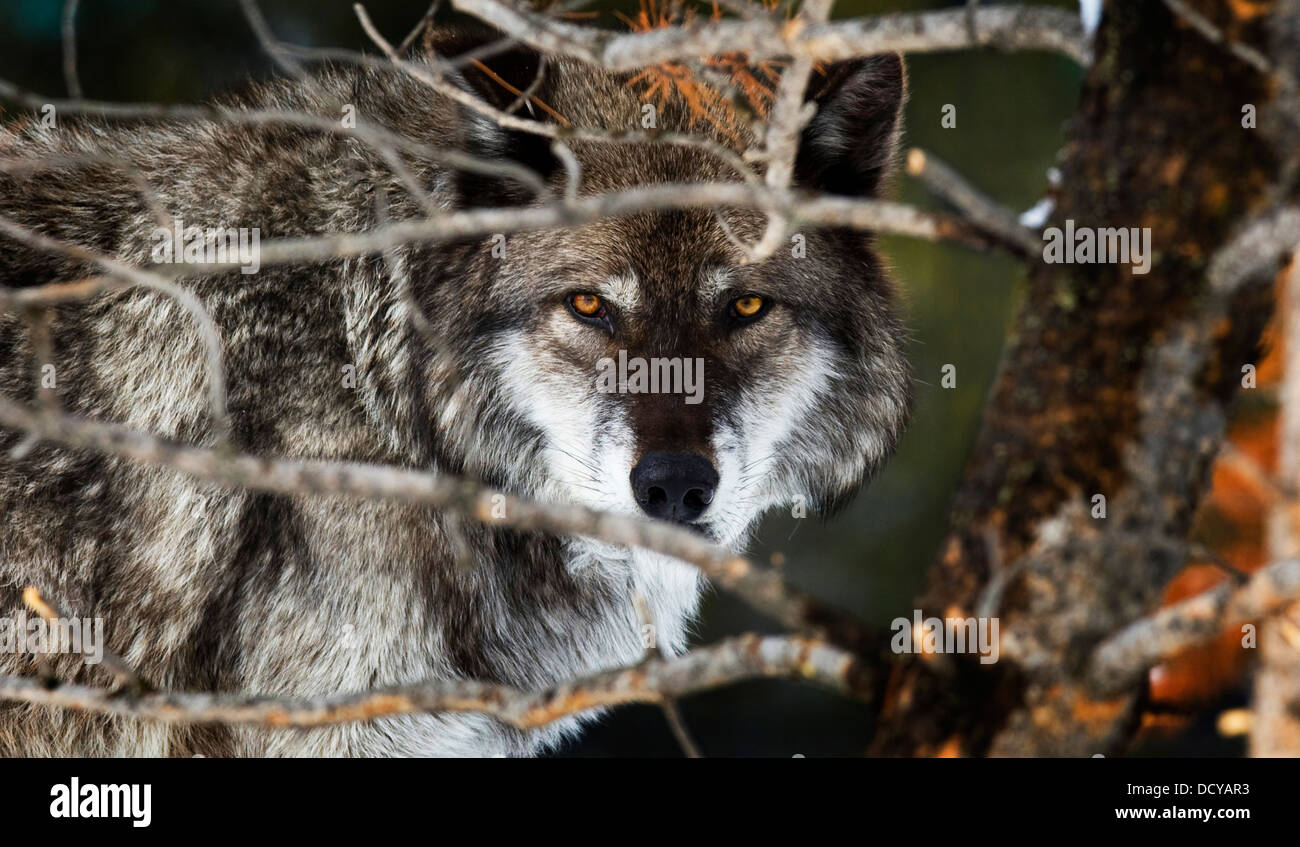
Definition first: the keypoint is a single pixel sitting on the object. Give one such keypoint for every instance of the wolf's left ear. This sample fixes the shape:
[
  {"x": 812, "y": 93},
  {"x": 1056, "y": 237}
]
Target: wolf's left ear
[
  {"x": 849, "y": 144},
  {"x": 498, "y": 78}
]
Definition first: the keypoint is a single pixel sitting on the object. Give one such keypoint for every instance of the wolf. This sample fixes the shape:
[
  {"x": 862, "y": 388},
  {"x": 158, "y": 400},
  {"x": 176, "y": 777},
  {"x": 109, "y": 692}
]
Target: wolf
[{"x": 477, "y": 358}]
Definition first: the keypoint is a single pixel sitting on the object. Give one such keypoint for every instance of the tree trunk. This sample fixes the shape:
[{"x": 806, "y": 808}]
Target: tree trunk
[{"x": 1114, "y": 384}]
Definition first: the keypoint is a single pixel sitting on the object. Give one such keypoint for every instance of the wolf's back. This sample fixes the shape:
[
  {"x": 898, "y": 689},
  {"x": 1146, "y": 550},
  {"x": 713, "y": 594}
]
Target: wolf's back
[{"x": 199, "y": 587}]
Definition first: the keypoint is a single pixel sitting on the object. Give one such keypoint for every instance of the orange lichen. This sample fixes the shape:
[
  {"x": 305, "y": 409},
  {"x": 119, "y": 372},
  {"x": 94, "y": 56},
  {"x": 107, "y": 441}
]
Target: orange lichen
[
  {"x": 670, "y": 81},
  {"x": 950, "y": 749},
  {"x": 1246, "y": 10}
]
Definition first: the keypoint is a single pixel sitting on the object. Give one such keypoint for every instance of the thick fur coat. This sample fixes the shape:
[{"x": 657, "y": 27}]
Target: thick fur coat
[{"x": 205, "y": 588}]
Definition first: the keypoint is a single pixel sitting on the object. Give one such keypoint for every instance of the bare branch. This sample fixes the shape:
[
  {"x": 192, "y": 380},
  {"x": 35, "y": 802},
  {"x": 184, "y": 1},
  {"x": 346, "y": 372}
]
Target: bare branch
[
  {"x": 290, "y": 65},
  {"x": 1004, "y": 27},
  {"x": 1258, "y": 251},
  {"x": 1126, "y": 655},
  {"x": 789, "y": 115},
  {"x": 746, "y": 657},
  {"x": 1213, "y": 34},
  {"x": 59, "y": 292},
  {"x": 879, "y": 216},
  {"x": 981, "y": 210},
  {"x": 262, "y": 30},
  {"x": 673, "y": 715},
  {"x": 760, "y": 587},
  {"x": 38, "y": 320}
]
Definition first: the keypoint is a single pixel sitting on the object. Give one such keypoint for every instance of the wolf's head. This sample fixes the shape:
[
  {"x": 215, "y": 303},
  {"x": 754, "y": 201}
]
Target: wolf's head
[{"x": 640, "y": 364}]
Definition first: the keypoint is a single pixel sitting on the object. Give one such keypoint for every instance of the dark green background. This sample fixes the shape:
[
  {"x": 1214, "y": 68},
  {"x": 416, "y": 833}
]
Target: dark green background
[{"x": 1011, "y": 115}]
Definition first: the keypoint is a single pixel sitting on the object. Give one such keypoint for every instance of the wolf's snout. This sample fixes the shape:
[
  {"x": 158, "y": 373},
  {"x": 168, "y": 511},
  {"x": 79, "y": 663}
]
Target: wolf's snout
[{"x": 674, "y": 486}]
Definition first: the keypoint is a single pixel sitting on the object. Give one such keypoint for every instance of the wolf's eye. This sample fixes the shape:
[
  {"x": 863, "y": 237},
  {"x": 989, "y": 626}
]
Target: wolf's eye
[
  {"x": 590, "y": 309},
  {"x": 748, "y": 306},
  {"x": 587, "y": 305},
  {"x": 745, "y": 310}
]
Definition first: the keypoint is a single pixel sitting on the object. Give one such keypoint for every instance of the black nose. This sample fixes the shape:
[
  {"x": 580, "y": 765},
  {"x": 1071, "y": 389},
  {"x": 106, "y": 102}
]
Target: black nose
[{"x": 674, "y": 486}]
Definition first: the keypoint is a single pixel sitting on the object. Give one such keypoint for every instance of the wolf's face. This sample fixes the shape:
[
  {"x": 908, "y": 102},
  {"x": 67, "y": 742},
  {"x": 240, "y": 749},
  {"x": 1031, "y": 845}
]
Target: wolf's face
[
  {"x": 668, "y": 377},
  {"x": 659, "y": 373}
]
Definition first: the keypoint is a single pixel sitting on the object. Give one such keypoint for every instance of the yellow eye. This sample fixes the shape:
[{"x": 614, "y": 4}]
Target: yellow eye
[
  {"x": 585, "y": 304},
  {"x": 748, "y": 306}
]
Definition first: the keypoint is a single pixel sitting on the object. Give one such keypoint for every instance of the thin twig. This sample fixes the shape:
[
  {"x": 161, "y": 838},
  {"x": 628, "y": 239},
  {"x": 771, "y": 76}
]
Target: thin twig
[
  {"x": 128, "y": 680},
  {"x": 287, "y": 63},
  {"x": 548, "y": 130},
  {"x": 38, "y": 320},
  {"x": 423, "y": 22},
  {"x": 70, "y": 49},
  {"x": 672, "y": 714},
  {"x": 982, "y": 211}
]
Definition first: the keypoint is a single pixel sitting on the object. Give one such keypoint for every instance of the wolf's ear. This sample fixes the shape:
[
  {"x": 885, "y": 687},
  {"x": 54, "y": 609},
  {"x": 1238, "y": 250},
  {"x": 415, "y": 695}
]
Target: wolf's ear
[
  {"x": 498, "y": 78},
  {"x": 849, "y": 144}
]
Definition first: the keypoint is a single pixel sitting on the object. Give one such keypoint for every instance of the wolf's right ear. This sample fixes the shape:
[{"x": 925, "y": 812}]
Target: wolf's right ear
[
  {"x": 498, "y": 78},
  {"x": 849, "y": 144}
]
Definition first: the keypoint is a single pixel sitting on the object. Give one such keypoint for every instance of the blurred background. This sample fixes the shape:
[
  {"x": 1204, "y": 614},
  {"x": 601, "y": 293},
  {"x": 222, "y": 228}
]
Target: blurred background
[{"x": 1011, "y": 113}]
